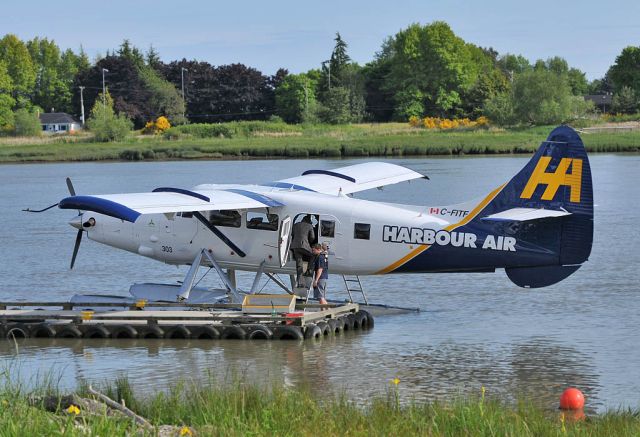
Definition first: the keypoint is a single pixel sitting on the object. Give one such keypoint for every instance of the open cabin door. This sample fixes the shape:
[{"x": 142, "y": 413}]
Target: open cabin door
[{"x": 284, "y": 240}]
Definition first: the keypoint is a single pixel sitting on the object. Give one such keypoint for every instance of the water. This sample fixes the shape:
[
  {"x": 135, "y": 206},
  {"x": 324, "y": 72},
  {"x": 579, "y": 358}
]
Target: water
[{"x": 475, "y": 329}]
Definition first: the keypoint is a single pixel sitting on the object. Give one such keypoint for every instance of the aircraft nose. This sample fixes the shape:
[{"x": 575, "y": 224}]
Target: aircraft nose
[{"x": 76, "y": 222}]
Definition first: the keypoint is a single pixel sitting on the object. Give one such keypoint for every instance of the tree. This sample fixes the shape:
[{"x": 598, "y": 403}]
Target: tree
[
  {"x": 491, "y": 80},
  {"x": 139, "y": 92},
  {"x": 49, "y": 89},
  {"x": 513, "y": 64},
  {"x": 335, "y": 107},
  {"x": 578, "y": 82},
  {"x": 6, "y": 101},
  {"x": 227, "y": 92},
  {"x": 432, "y": 64},
  {"x": 341, "y": 73},
  {"x": 625, "y": 72},
  {"x": 537, "y": 97},
  {"x": 152, "y": 58},
  {"x": 131, "y": 53},
  {"x": 625, "y": 101},
  {"x": 333, "y": 70},
  {"x": 379, "y": 100},
  {"x": 105, "y": 124},
  {"x": 164, "y": 98},
  {"x": 20, "y": 68},
  {"x": 27, "y": 124},
  {"x": 295, "y": 98}
]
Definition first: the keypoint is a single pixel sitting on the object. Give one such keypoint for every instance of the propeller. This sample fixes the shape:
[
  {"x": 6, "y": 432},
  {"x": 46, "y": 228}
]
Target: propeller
[
  {"x": 72, "y": 191},
  {"x": 75, "y": 248}
]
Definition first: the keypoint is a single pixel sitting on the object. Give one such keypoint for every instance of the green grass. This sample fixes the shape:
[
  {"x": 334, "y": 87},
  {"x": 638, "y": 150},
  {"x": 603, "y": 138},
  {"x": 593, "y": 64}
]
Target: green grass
[
  {"x": 239, "y": 410},
  {"x": 278, "y": 140}
]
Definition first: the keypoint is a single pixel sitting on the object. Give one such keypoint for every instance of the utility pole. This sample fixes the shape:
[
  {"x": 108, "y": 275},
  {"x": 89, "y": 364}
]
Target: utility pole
[
  {"x": 81, "y": 105},
  {"x": 306, "y": 101},
  {"x": 104, "y": 96},
  {"x": 104, "y": 89},
  {"x": 328, "y": 63},
  {"x": 182, "y": 70}
]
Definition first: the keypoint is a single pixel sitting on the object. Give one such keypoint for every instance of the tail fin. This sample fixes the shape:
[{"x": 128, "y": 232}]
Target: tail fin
[{"x": 557, "y": 178}]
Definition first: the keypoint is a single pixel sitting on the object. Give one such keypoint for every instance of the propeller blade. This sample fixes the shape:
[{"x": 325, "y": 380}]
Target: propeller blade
[
  {"x": 76, "y": 247},
  {"x": 72, "y": 191}
]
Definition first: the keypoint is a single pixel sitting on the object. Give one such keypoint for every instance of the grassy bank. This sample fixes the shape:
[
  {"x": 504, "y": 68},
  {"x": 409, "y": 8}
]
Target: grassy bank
[
  {"x": 240, "y": 410},
  {"x": 262, "y": 140}
]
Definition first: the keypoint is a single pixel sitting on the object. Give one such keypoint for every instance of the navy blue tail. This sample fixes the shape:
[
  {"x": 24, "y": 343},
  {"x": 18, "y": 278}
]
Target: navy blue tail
[{"x": 558, "y": 177}]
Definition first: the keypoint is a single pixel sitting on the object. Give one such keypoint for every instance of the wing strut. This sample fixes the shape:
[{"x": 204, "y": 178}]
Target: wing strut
[
  {"x": 219, "y": 234},
  {"x": 189, "y": 280}
]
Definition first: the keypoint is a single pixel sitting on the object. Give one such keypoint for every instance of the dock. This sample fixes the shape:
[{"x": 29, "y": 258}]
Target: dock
[{"x": 172, "y": 320}]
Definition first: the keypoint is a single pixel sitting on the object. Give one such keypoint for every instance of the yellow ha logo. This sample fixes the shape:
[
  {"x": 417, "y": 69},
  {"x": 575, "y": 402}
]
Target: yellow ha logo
[{"x": 554, "y": 180}]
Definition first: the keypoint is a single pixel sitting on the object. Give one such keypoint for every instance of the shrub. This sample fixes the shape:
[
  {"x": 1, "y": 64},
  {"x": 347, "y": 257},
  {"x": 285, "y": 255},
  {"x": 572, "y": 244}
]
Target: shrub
[
  {"x": 160, "y": 126},
  {"x": 27, "y": 124},
  {"x": 105, "y": 124}
]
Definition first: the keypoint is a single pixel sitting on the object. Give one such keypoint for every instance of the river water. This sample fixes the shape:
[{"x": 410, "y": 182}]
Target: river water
[{"x": 474, "y": 330}]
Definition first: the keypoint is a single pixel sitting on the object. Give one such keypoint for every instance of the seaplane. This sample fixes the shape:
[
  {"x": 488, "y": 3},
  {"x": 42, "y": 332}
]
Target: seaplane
[{"x": 538, "y": 226}]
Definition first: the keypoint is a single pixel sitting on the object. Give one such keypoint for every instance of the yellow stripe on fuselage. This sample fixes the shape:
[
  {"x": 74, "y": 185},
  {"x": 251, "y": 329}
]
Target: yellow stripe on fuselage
[{"x": 415, "y": 252}]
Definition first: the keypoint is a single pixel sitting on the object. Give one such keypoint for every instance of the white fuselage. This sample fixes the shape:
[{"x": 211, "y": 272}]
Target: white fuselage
[{"x": 392, "y": 233}]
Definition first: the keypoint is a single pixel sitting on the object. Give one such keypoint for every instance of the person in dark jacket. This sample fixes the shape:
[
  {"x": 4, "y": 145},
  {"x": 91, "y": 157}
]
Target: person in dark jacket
[{"x": 301, "y": 239}]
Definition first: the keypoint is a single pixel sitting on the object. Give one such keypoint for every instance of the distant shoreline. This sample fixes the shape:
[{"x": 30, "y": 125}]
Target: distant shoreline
[{"x": 391, "y": 140}]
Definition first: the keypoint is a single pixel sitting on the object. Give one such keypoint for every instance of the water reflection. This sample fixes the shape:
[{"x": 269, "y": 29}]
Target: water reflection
[
  {"x": 475, "y": 330},
  {"x": 538, "y": 369}
]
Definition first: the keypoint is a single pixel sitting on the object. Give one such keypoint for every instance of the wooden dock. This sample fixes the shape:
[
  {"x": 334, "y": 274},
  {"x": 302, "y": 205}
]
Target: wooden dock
[{"x": 176, "y": 320}]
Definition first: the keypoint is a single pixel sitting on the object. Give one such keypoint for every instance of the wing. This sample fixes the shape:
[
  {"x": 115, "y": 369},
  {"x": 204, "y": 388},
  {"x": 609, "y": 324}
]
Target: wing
[
  {"x": 350, "y": 179},
  {"x": 167, "y": 200}
]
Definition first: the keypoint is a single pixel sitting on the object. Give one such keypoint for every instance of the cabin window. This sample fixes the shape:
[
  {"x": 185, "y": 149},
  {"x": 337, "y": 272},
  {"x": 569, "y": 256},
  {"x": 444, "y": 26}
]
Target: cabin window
[
  {"x": 327, "y": 228},
  {"x": 63, "y": 127},
  {"x": 225, "y": 218},
  {"x": 361, "y": 231},
  {"x": 185, "y": 214},
  {"x": 260, "y": 220}
]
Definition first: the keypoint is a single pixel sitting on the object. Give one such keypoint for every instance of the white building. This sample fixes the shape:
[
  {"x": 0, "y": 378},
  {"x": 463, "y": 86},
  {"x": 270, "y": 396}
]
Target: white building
[{"x": 58, "y": 123}]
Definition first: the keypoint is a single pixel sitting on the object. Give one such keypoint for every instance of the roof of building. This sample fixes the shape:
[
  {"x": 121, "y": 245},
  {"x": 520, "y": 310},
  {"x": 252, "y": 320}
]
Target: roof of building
[
  {"x": 599, "y": 99},
  {"x": 56, "y": 118}
]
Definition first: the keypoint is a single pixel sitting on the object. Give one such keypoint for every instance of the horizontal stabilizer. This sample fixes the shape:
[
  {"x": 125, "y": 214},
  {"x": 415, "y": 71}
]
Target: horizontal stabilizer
[{"x": 525, "y": 214}]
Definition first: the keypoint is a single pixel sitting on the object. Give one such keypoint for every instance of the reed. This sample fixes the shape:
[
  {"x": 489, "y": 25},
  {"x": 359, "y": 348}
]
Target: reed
[
  {"x": 245, "y": 140},
  {"x": 241, "y": 409}
]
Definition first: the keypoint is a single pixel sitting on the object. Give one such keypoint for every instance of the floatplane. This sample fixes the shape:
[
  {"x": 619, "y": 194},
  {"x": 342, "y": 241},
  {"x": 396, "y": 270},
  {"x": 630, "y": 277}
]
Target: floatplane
[{"x": 538, "y": 226}]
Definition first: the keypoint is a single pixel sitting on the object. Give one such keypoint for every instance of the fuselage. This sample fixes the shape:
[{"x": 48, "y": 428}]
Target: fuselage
[{"x": 364, "y": 237}]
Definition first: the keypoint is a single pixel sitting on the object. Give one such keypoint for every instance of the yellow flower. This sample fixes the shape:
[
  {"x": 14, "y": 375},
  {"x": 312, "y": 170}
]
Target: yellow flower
[
  {"x": 73, "y": 410},
  {"x": 482, "y": 121},
  {"x": 162, "y": 124},
  {"x": 185, "y": 431},
  {"x": 395, "y": 381},
  {"x": 5, "y": 402}
]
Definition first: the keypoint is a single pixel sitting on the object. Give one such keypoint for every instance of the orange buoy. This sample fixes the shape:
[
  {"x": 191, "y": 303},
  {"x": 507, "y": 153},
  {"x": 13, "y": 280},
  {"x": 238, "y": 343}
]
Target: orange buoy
[{"x": 571, "y": 399}]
